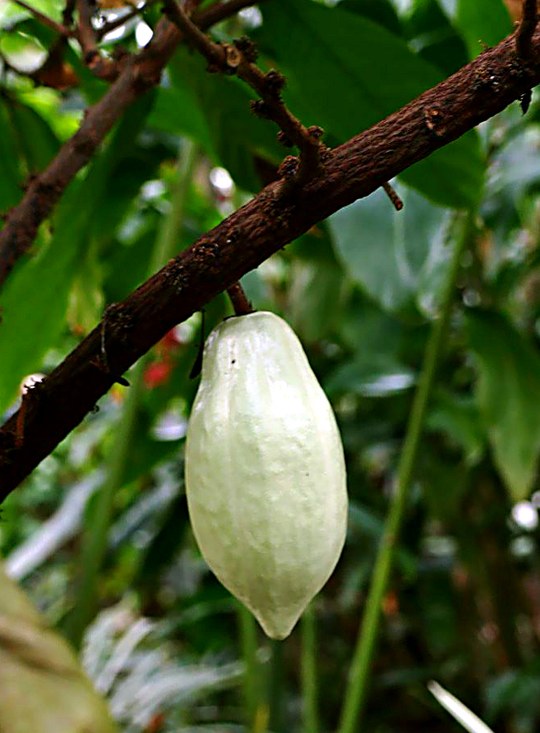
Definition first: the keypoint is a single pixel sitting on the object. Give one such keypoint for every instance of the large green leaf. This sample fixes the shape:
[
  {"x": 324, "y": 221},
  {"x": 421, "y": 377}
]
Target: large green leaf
[
  {"x": 393, "y": 255},
  {"x": 36, "y": 141},
  {"x": 35, "y": 297},
  {"x": 10, "y": 172},
  {"x": 237, "y": 135},
  {"x": 177, "y": 111},
  {"x": 508, "y": 395},
  {"x": 346, "y": 92},
  {"x": 433, "y": 36},
  {"x": 481, "y": 23},
  {"x": 380, "y": 11}
]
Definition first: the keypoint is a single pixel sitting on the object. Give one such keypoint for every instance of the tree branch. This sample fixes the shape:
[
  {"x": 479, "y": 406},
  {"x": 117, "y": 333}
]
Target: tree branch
[
  {"x": 139, "y": 73},
  {"x": 247, "y": 238},
  {"x": 104, "y": 68}
]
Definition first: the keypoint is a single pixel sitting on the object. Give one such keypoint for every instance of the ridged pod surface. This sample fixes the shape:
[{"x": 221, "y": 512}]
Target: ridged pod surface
[{"x": 265, "y": 473}]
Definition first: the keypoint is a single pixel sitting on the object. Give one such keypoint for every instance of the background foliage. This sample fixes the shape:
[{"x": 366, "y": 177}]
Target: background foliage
[{"x": 168, "y": 646}]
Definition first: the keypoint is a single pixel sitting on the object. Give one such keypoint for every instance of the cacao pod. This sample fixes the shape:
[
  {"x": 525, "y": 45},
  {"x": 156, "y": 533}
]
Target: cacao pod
[{"x": 265, "y": 472}]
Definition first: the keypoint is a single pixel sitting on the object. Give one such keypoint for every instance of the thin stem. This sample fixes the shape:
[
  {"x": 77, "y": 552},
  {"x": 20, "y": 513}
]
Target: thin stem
[
  {"x": 309, "y": 671},
  {"x": 44, "y": 19},
  {"x": 276, "y": 691},
  {"x": 251, "y": 687},
  {"x": 94, "y": 543},
  {"x": 239, "y": 300},
  {"x": 359, "y": 674},
  {"x": 392, "y": 194}
]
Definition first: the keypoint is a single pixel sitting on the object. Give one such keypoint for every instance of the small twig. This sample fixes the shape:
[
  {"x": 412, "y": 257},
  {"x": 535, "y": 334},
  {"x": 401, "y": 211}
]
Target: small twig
[
  {"x": 121, "y": 20},
  {"x": 44, "y": 19},
  {"x": 239, "y": 300},
  {"x": 213, "y": 52},
  {"x": 104, "y": 68},
  {"x": 392, "y": 194},
  {"x": 526, "y": 29},
  {"x": 239, "y": 58},
  {"x": 67, "y": 14},
  {"x": 86, "y": 34}
]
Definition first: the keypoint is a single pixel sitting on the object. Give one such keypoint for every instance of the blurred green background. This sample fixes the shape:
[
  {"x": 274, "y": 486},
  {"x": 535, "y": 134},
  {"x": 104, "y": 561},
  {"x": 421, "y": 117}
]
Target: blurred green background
[{"x": 99, "y": 535}]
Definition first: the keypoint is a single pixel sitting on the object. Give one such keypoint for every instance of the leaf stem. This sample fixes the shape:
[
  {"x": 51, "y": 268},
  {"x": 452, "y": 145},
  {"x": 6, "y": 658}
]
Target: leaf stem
[
  {"x": 360, "y": 670},
  {"x": 95, "y": 537}
]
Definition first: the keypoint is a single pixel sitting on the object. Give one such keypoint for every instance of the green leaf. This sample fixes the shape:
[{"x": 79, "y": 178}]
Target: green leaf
[
  {"x": 379, "y": 11},
  {"x": 315, "y": 299},
  {"x": 482, "y": 22},
  {"x": 458, "y": 418},
  {"x": 35, "y": 297},
  {"x": 390, "y": 253},
  {"x": 177, "y": 110},
  {"x": 508, "y": 395},
  {"x": 10, "y": 172},
  {"x": 36, "y": 141},
  {"x": 345, "y": 92},
  {"x": 433, "y": 36},
  {"x": 237, "y": 135}
]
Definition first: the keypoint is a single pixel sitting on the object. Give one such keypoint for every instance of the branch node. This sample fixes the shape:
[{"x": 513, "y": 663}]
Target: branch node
[
  {"x": 315, "y": 132},
  {"x": 274, "y": 81},
  {"x": 233, "y": 58},
  {"x": 284, "y": 139},
  {"x": 289, "y": 167},
  {"x": 433, "y": 117},
  {"x": 261, "y": 109},
  {"x": 248, "y": 48}
]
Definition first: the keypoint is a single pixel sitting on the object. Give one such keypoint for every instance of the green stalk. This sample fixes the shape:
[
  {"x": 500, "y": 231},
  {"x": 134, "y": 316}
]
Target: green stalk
[
  {"x": 94, "y": 541},
  {"x": 309, "y": 671},
  {"x": 359, "y": 674},
  {"x": 251, "y": 680},
  {"x": 276, "y": 689}
]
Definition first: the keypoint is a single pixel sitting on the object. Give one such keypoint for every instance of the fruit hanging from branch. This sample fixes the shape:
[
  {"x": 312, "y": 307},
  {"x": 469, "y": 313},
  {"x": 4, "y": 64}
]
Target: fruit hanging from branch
[{"x": 265, "y": 472}]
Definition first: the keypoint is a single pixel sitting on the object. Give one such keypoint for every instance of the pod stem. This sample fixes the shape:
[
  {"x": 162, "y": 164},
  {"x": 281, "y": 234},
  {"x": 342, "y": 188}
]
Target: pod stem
[
  {"x": 239, "y": 300},
  {"x": 362, "y": 661}
]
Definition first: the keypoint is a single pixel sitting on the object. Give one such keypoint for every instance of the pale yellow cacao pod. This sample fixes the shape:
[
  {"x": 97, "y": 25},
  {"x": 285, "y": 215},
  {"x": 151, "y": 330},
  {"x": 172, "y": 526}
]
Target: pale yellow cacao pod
[{"x": 265, "y": 474}]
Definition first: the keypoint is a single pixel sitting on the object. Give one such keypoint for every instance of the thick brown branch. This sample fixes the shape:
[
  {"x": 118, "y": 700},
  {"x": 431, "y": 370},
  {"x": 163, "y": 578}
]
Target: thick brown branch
[
  {"x": 248, "y": 237},
  {"x": 138, "y": 75}
]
